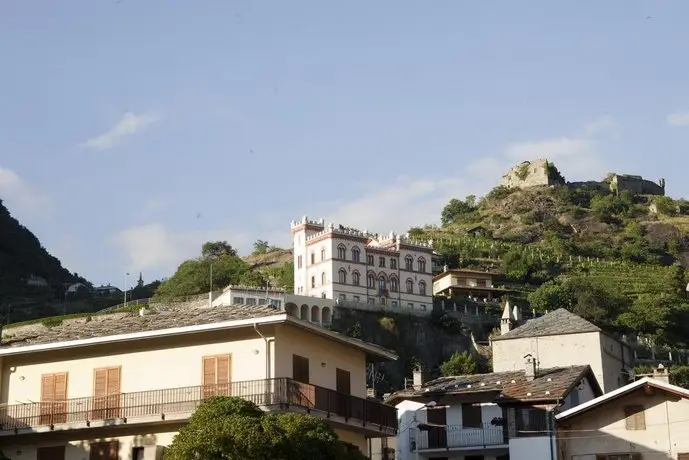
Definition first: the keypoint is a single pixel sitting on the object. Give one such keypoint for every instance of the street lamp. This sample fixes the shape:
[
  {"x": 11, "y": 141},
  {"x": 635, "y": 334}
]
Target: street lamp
[{"x": 125, "y": 290}]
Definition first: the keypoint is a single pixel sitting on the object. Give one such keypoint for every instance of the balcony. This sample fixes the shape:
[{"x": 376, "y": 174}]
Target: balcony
[
  {"x": 445, "y": 437},
  {"x": 177, "y": 404}
]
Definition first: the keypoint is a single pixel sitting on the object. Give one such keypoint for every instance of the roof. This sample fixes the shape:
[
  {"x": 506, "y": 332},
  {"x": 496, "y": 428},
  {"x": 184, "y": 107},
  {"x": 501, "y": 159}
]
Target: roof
[
  {"x": 158, "y": 322},
  {"x": 558, "y": 322},
  {"x": 549, "y": 385},
  {"x": 645, "y": 382}
]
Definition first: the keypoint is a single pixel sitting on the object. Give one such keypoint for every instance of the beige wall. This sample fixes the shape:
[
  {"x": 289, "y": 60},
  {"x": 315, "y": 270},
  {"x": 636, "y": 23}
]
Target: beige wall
[
  {"x": 603, "y": 430},
  {"x": 592, "y": 348},
  {"x": 324, "y": 355}
]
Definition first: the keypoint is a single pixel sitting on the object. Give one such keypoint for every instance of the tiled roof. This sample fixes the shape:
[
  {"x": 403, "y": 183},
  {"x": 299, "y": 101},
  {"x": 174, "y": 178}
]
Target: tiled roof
[
  {"x": 558, "y": 322},
  {"x": 549, "y": 384},
  {"x": 124, "y": 323}
]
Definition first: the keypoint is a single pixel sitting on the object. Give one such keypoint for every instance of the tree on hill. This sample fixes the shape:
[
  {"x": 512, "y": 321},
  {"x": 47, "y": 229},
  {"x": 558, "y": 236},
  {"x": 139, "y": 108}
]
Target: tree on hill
[
  {"x": 217, "y": 249},
  {"x": 231, "y": 428},
  {"x": 459, "y": 364},
  {"x": 456, "y": 209}
]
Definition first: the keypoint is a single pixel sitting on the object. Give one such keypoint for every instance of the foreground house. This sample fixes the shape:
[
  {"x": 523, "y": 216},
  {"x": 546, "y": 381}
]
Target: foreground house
[
  {"x": 492, "y": 416},
  {"x": 561, "y": 338},
  {"x": 647, "y": 419},
  {"x": 119, "y": 386}
]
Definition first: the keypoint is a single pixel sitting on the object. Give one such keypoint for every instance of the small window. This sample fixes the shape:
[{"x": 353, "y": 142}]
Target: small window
[
  {"x": 299, "y": 261},
  {"x": 356, "y": 254},
  {"x": 250, "y": 301},
  {"x": 393, "y": 304},
  {"x": 422, "y": 288},
  {"x": 137, "y": 453},
  {"x": 382, "y": 300},
  {"x": 410, "y": 286},
  {"x": 635, "y": 418},
  {"x": 369, "y": 259},
  {"x": 238, "y": 301},
  {"x": 356, "y": 278},
  {"x": 342, "y": 252},
  {"x": 322, "y": 254},
  {"x": 422, "y": 307},
  {"x": 323, "y": 278},
  {"x": 381, "y": 262},
  {"x": 410, "y": 305},
  {"x": 300, "y": 369},
  {"x": 409, "y": 263},
  {"x": 313, "y": 281},
  {"x": 371, "y": 301},
  {"x": 371, "y": 281},
  {"x": 422, "y": 264},
  {"x": 471, "y": 416},
  {"x": 393, "y": 263},
  {"x": 356, "y": 298},
  {"x": 262, "y": 301},
  {"x": 393, "y": 285},
  {"x": 313, "y": 258},
  {"x": 342, "y": 275},
  {"x": 382, "y": 284}
]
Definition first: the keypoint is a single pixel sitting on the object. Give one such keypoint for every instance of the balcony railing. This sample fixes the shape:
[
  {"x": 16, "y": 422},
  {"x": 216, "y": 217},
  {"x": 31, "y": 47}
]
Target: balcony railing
[
  {"x": 275, "y": 394},
  {"x": 453, "y": 436}
]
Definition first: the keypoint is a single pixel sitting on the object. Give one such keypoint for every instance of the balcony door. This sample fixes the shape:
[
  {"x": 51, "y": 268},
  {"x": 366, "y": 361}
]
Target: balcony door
[
  {"x": 301, "y": 392},
  {"x": 106, "y": 393},
  {"x": 217, "y": 376},
  {"x": 343, "y": 385},
  {"x": 105, "y": 451},
  {"x": 53, "y": 398},
  {"x": 437, "y": 435},
  {"x": 50, "y": 453}
]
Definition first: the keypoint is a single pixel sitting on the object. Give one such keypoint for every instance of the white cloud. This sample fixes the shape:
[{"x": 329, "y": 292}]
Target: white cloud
[
  {"x": 154, "y": 247},
  {"x": 22, "y": 196},
  {"x": 128, "y": 125},
  {"x": 678, "y": 119},
  {"x": 605, "y": 126}
]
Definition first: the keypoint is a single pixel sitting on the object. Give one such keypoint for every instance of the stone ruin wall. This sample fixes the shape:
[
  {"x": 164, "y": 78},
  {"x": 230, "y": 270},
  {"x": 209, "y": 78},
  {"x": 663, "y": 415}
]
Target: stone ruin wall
[{"x": 527, "y": 174}]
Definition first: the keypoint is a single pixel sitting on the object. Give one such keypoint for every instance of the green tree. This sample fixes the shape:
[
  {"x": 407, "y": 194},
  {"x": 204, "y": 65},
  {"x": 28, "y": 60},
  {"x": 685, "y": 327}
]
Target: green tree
[
  {"x": 456, "y": 209},
  {"x": 459, "y": 364},
  {"x": 217, "y": 249},
  {"x": 260, "y": 247},
  {"x": 227, "y": 428}
]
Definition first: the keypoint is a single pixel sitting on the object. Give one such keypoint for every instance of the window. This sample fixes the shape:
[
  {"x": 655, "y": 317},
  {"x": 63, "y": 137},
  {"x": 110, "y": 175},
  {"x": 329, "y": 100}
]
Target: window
[
  {"x": 410, "y": 286},
  {"x": 250, "y": 301},
  {"x": 322, "y": 254},
  {"x": 50, "y": 453},
  {"x": 422, "y": 264},
  {"x": 313, "y": 258},
  {"x": 356, "y": 298},
  {"x": 371, "y": 301},
  {"x": 369, "y": 259},
  {"x": 216, "y": 375},
  {"x": 138, "y": 453},
  {"x": 382, "y": 300},
  {"x": 323, "y": 278},
  {"x": 635, "y": 418},
  {"x": 342, "y": 252},
  {"x": 342, "y": 275},
  {"x": 299, "y": 261},
  {"x": 300, "y": 369},
  {"x": 370, "y": 281},
  {"x": 410, "y": 305},
  {"x": 313, "y": 281},
  {"x": 422, "y": 288},
  {"x": 238, "y": 301},
  {"x": 393, "y": 284},
  {"x": 381, "y": 262},
  {"x": 471, "y": 416},
  {"x": 382, "y": 283},
  {"x": 262, "y": 301},
  {"x": 531, "y": 422},
  {"x": 105, "y": 450},
  {"x": 356, "y": 254},
  {"x": 393, "y": 304},
  {"x": 409, "y": 263},
  {"x": 393, "y": 263},
  {"x": 54, "y": 393},
  {"x": 422, "y": 307},
  {"x": 342, "y": 297},
  {"x": 343, "y": 381},
  {"x": 356, "y": 278},
  {"x": 106, "y": 393}
]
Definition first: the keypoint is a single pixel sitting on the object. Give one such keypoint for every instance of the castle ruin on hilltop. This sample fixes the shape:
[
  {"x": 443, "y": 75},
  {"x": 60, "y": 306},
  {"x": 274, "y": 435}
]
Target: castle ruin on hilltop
[{"x": 542, "y": 173}]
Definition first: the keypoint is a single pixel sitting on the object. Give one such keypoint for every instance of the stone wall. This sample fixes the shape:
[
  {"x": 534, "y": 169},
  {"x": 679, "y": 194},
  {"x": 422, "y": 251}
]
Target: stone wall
[
  {"x": 637, "y": 185},
  {"x": 528, "y": 174}
]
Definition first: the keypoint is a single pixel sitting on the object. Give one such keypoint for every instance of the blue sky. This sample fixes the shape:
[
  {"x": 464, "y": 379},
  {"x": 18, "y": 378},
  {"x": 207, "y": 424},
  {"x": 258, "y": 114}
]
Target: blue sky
[{"x": 132, "y": 132}]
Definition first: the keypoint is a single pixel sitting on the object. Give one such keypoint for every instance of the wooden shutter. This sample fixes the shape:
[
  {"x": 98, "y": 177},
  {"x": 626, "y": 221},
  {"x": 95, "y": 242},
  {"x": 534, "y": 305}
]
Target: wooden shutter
[
  {"x": 683, "y": 456},
  {"x": 635, "y": 418},
  {"x": 217, "y": 376},
  {"x": 53, "y": 398},
  {"x": 105, "y": 451},
  {"x": 50, "y": 453},
  {"x": 471, "y": 416},
  {"x": 106, "y": 393}
]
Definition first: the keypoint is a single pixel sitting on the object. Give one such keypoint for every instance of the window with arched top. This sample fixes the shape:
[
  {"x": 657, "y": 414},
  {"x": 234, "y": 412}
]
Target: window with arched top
[
  {"x": 342, "y": 276},
  {"x": 356, "y": 254},
  {"x": 422, "y": 288},
  {"x": 421, "y": 264},
  {"x": 356, "y": 278},
  {"x": 410, "y": 286},
  {"x": 394, "y": 284},
  {"x": 382, "y": 283},
  {"x": 322, "y": 254},
  {"x": 409, "y": 263},
  {"x": 313, "y": 281},
  {"x": 342, "y": 252},
  {"x": 371, "y": 280},
  {"x": 323, "y": 278}
]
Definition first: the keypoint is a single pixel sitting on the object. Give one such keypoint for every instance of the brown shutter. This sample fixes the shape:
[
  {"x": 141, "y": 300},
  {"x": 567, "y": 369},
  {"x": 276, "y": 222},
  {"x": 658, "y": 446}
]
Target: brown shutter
[
  {"x": 223, "y": 369},
  {"x": 100, "y": 382},
  {"x": 113, "y": 381},
  {"x": 60, "y": 389},
  {"x": 47, "y": 387},
  {"x": 210, "y": 375}
]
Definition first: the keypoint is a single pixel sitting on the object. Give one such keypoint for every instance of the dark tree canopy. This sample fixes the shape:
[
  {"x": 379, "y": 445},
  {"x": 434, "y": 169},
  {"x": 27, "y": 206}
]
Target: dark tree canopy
[
  {"x": 217, "y": 249},
  {"x": 227, "y": 428}
]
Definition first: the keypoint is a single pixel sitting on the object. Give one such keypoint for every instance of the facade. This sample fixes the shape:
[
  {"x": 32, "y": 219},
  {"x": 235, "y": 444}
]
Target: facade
[
  {"x": 359, "y": 267},
  {"x": 119, "y": 386},
  {"x": 561, "y": 338},
  {"x": 646, "y": 419},
  {"x": 636, "y": 185},
  {"x": 492, "y": 416},
  {"x": 469, "y": 283},
  {"x": 106, "y": 290},
  {"x": 534, "y": 173}
]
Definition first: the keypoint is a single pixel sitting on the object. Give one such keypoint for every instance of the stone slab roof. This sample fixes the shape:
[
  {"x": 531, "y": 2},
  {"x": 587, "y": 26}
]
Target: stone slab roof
[
  {"x": 558, "y": 322},
  {"x": 513, "y": 386},
  {"x": 129, "y": 322}
]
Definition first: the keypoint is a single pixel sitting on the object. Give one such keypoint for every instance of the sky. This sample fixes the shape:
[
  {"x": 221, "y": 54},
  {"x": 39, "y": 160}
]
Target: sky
[{"x": 133, "y": 131}]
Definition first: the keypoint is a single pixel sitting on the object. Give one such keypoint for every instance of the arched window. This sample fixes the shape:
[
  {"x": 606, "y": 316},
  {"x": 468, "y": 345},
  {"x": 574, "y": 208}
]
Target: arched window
[
  {"x": 422, "y": 264},
  {"x": 371, "y": 280},
  {"x": 322, "y": 254},
  {"x": 422, "y": 288},
  {"x": 394, "y": 285},
  {"x": 409, "y": 263},
  {"x": 355, "y": 278},
  {"x": 323, "y": 278},
  {"x": 410, "y": 286},
  {"x": 356, "y": 254},
  {"x": 382, "y": 283},
  {"x": 313, "y": 281},
  {"x": 342, "y": 252},
  {"x": 342, "y": 276}
]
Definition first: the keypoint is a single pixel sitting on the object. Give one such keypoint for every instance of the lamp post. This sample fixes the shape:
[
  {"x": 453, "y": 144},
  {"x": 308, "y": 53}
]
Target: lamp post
[{"x": 125, "y": 290}]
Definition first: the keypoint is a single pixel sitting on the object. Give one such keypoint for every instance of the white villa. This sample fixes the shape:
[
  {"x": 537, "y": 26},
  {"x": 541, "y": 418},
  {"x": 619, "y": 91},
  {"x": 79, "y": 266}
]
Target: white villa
[{"x": 353, "y": 266}]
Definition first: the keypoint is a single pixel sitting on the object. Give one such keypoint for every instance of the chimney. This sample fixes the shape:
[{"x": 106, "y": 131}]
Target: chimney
[
  {"x": 660, "y": 373},
  {"x": 370, "y": 392},
  {"x": 517, "y": 315},
  {"x": 418, "y": 378},
  {"x": 506, "y": 319},
  {"x": 530, "y": 367}
]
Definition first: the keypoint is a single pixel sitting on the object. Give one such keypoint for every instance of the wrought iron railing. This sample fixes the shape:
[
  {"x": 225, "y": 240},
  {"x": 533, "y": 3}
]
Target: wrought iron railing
[
  {"x": 449, "y": 436},
  {"x": 279, "y": 393}
]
